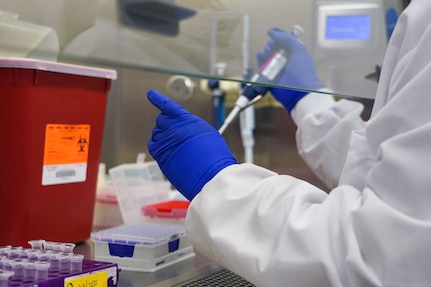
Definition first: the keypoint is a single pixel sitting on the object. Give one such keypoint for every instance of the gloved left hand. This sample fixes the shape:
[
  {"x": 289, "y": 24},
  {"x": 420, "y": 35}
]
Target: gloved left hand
[{"x": 188, "y": 150}]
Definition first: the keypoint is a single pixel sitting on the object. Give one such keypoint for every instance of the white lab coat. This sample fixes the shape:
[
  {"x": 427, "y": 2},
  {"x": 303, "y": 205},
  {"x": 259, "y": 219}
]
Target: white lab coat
[{"x": 374, "y": 227}]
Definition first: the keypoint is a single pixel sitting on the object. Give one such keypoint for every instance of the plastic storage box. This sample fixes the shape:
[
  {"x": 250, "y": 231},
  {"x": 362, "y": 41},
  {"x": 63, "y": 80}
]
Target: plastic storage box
[
  {"x": 143, "y": 247},
  {"x": 51, "y": 124},
  {"x": 137, "y": 185},
  {"x": 106, "y": 210}
]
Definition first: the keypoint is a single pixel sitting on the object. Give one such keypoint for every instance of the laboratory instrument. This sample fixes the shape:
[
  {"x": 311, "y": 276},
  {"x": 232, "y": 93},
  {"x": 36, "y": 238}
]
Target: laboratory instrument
[
  {"x": 217, "y": 103},
  {"x": 349, "y": 43},
  {"x": 267, "y": 74},
  {"x": 218, "y": 97},
  {"x": 247, "y": 125},
  {"x": 180, "y": 88}
]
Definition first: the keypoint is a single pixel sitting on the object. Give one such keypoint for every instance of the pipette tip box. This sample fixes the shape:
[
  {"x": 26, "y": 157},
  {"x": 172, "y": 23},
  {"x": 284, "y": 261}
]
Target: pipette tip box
[{"x": 145, "y": 246}]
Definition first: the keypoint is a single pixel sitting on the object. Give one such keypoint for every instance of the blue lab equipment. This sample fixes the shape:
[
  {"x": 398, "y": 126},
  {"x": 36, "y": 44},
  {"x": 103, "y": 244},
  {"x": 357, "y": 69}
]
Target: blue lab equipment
[{"x": 218, "y": 103}]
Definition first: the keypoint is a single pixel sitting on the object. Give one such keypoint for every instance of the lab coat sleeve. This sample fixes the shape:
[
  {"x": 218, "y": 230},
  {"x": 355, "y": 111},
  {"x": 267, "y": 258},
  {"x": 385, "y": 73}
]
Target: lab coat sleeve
[
  {"x": 276, "y": 230},
  {"x": 323, "y": 126}
]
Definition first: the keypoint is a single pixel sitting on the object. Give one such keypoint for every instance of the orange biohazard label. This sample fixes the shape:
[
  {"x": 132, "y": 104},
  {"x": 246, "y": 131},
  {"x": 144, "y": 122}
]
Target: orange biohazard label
[
  {"x": 66, "y": 144},
  {"x": 65, "y": 153}
]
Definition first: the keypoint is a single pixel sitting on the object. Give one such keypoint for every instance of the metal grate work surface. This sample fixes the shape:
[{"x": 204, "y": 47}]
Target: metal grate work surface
[{"x": 220, "y": 278}]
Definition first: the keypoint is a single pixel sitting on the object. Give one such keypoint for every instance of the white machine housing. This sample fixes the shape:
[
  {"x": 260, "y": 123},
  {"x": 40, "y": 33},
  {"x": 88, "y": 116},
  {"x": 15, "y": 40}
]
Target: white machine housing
[{"x": 349, "y": 42}]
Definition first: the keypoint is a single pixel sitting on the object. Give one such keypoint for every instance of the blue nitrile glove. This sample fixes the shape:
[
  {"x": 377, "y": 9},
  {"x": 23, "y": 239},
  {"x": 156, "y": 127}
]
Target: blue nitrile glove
[
  {"x": 188, "y": 150},
  {"x": 300, "y": 71}
]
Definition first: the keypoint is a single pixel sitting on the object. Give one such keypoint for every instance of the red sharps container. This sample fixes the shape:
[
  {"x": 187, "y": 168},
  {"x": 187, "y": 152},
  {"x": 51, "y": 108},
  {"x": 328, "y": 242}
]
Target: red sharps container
[{"x": 51, "y": 126}]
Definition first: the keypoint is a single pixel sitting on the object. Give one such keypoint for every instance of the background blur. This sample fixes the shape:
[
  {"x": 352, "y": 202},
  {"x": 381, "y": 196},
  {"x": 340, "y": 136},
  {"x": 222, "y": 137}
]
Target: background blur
[{"x": 91, "y": 31}]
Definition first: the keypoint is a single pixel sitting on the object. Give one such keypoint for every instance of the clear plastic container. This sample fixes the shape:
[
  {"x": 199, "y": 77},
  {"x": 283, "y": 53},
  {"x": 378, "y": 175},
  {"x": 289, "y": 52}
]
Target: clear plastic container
[
  {"x": 29, "y": 271},
  {"x": 42, "y": 269},
  {"x": 137, "y": 185},
  {"x": 107, "y": 211},
  {"x": 4, "y": 277},
  {"x": 76, "y": 262}
]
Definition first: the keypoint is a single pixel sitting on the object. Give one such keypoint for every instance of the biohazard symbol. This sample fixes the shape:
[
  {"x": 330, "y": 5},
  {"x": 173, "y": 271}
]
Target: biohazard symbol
[{"x": 82, "y": 143}]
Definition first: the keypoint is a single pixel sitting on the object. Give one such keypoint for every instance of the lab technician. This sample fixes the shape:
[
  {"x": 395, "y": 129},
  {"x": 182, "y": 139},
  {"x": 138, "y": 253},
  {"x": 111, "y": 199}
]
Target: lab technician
[{"x": 372, "y": 229}]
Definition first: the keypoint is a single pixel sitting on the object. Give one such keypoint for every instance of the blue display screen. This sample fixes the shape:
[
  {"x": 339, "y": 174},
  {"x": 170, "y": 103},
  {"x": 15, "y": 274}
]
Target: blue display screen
[{"x": 352, "y": 27}]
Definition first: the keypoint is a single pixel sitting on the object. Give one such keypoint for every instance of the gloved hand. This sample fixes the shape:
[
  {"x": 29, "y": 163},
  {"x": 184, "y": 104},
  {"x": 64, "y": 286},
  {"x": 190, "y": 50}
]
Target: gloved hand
[
  {"x": 299, "y": 72},
  {"x": 188, "y": 150}
]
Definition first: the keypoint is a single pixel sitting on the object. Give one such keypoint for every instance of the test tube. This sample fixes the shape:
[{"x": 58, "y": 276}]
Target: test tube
[
  {"x": 47, "y": 245},
  {"x": 4, "y": 248},
  {"x": 32, "y": 254},
  {"x": 76, "y": 262},
  {"x": 68, "y": 247},
  {"x": 2, "y": 258},
  {"x": 36, "y": 244},
  {"x": 7, "y": 264},
  {"x": 42, "y": 269},
  {"x": 4, "y": 277},
  {"x": 64, "y": 263},
  {"x": 54, "y": 246},
  {"x": 29, "y": 271},
  {"x": 22, "y": 254},
  {"x": 18, "y": 269},
  {"x": 12, "y": 253},
  {"x": 54, "y": 261},
  {"x": 44, "y": 256}
]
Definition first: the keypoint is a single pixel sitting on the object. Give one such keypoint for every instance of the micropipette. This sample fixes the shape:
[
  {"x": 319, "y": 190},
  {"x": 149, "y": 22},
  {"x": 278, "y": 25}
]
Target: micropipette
[{"x": 267, "y": 74}]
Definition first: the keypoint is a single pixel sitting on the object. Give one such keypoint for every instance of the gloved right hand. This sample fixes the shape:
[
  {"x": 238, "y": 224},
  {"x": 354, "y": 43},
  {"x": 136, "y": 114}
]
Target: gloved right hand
[{"x": 300, "y": 71}]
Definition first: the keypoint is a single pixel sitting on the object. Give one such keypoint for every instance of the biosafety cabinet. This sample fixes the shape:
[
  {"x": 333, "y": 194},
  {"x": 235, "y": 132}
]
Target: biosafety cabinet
[
  {"x": 191, "y": 50},
  {"x": 210, "y": 39}
]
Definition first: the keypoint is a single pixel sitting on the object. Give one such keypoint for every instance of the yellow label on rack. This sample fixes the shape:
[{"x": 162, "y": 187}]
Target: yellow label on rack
[
  {"x": 66, "y": 144},
  {"x": 99, "y": 279}
]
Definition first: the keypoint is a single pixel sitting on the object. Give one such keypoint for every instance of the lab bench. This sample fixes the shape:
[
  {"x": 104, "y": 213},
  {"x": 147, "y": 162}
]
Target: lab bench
[
  {"x": 136, "y": 278},
  {"x": 195, "y": 269}
]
